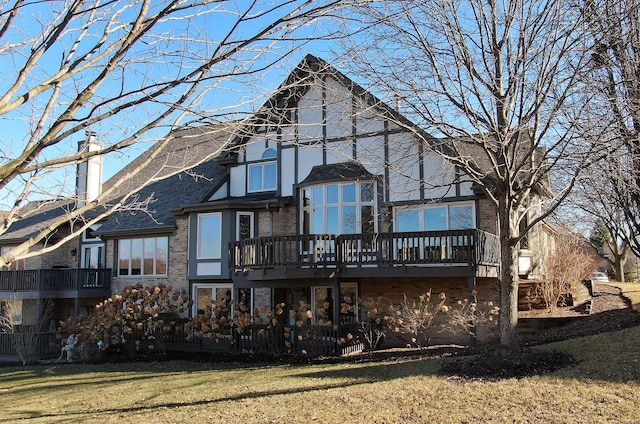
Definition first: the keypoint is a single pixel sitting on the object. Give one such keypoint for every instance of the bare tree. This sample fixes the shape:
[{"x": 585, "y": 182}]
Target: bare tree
[
  {"x": 595, "y": 197},
  {"x": 613, "y": 30},
  {"x": 494, "y": 83},
  {"x": 25, "y": 335},
  {"x": 131, "y": 71}
]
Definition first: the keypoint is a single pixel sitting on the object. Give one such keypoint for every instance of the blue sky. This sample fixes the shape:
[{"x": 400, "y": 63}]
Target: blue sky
[{"x": 231, "y": 96}]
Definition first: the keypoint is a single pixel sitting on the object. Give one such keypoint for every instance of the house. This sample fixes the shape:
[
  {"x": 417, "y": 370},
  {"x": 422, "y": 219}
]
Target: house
[
  {"x": 323, "y": 193},
  {"x": 74, "y": 275}
]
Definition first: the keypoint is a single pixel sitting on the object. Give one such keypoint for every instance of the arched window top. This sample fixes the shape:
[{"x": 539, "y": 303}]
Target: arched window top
[{"x": 269, "y": 154}]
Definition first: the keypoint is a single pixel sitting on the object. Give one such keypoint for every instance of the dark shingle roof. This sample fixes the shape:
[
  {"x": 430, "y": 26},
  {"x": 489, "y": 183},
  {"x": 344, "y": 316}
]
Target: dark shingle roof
[
  {"x": 350, "y": 171},
  {"x": 34, "y": 217},
  {"x": 191, "y": 158}
]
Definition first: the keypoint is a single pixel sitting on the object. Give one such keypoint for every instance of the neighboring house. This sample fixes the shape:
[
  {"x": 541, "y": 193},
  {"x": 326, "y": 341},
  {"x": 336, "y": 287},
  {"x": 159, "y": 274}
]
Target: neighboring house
[
  {"x": 320, "y": 195},
  {"x": 74, "y": 275}
]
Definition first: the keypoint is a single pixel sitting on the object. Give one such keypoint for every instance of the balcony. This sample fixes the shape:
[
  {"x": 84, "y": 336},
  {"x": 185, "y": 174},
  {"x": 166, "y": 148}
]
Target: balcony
[
  {"x": 71, "y": 283},
  {"x": 445, "y": 253}
]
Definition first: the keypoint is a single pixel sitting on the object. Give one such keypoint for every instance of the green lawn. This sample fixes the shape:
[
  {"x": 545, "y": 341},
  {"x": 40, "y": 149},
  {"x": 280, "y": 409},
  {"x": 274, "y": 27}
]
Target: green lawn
[{"x": 603, "y": 386}]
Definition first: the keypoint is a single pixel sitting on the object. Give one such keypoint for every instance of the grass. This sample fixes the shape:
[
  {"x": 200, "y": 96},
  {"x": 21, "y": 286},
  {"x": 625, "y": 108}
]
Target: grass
[
  {"x": 603, "y": 386},
  {"x": 631, "y": 291}
]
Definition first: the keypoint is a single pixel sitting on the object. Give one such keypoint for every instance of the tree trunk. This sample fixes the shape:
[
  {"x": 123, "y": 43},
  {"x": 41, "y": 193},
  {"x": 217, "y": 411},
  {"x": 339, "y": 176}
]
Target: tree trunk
[
  {"x": 619, "y": 268},
  {"x": 508, "y": 279}
]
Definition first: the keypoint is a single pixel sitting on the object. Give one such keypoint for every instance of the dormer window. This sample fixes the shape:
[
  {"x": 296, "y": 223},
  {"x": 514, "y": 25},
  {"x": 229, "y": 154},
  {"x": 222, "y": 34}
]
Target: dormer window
[{"x": 263, "y": 175}]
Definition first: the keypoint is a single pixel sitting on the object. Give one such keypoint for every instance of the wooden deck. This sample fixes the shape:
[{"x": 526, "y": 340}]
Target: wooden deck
[
  {"x": 466, "y": 249},
  {"x": 81, "y": 282}
]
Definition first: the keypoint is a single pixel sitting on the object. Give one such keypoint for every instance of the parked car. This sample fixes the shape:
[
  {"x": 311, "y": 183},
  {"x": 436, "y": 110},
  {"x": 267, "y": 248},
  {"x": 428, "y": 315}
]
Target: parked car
[{"x": 599, "y": 277}]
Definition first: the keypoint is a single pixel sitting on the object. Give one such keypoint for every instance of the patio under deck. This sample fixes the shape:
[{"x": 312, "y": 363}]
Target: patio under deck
[{"x": 455, "y": 253}]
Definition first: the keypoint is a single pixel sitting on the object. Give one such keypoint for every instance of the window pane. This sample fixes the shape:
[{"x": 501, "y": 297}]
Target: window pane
[
  {"x": 306, "y": 197},
  {"x": 348, "y": 302},
  {"x": 349, "y": 220},
  {"x": 349, "y": 193},
  {"x": 162, "y": 249},
  {"x": 244, "y": 226},
  {"x": 333, "y": 220},
  {"x": 269, "y": 154},
  {"x": 318, "y": 221},
  {"x": 368, "y": 220},
  {"x": 408, "y": 220},
  {"x": 203, "y": 299},
  {"x": 306, "y": 222},
  {"x": 149, "y": 254},
  {"x": 318, "y": 196},
  {"x": 255, "y": 178},
  {"x": 366, "y": 192},
  {"x": 270, "y": 176},
  {"x": 435, "y": 219},
  {"x": 136, "y": 257},
  {"x": 332, "y": 194},
  {"x": 124, "y": 253},
  {"x": 209, "y": 240},
  {"x": 460, "y": 217}
]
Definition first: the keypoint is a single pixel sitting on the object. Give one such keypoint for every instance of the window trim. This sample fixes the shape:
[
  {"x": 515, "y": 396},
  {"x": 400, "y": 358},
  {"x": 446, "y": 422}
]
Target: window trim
[
  {"x": 213, "y": 287},
  {"x": 341, "y": 204},
  {"x": 199, "y": 227},
  {"x": 251, "y": 216},
  {"x": 420, "y": 210},
  {"x": 142, "y": 257},
  {"x": 269, "y": 157}
]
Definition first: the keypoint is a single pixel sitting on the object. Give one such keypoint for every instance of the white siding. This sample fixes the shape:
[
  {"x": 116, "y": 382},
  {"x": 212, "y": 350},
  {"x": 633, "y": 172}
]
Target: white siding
[
  {"x": 404, "y": 168},
  {"x": 287, "y": 171},
  {"x": 340, "y": 151},
  {"x": 221, "y": 193},
  {"x": 238, "y": 181},
  {"x": 288, "y": 135},
  {"x": 370, "y": 152},
  {"x": 366, "y": 121},
  {"x": 439, "y": 175},
  {"x": 310, "y": 115},
  {"x": 338, "y": 103},
  {"x": 209, "y": 268},
  {"x": 308, "y": 157}
]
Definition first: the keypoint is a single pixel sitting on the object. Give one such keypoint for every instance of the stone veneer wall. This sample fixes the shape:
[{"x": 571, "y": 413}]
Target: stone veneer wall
[
  {"x": 392, "y": 291},
  {"x": 284, "y": 222}
]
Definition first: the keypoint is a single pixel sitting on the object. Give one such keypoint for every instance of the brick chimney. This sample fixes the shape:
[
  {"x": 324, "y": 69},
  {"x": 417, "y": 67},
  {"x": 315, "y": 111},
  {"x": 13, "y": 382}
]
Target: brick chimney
[{"x": 89, "y": 172}]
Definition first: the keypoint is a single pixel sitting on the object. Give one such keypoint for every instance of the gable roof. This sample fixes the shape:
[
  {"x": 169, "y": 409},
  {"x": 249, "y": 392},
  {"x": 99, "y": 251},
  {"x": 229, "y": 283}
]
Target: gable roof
[
  {"x": 344, "y": 171},
  {"x": 34, "y": 217},
  {"x": 184, "y": 172},
  {"x": 296, "y": 85}
]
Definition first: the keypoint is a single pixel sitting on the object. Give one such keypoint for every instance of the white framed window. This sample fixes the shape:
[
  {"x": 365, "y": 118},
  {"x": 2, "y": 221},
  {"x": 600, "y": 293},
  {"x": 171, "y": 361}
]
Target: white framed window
[
  {"x": 339, "y": 208},
  {"x": 143, "y": 257},
  {"x": 209, "y": 236},
  {"x": 457, "y": 216},
  {"x": 89, "y": 233},
  {"x": 205, "y": 295},
  {"x": 263, "y": 176}
]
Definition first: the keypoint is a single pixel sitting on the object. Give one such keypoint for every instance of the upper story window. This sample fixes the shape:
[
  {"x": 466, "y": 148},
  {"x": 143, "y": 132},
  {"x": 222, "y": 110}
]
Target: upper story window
[
  {"x": 435, "y": 218},
  {"x": 209, "y": 242},
  {"x": 143, "y": 256},
  {"x": 339, "y": 208},
  {"x": 263, "y": 175}
]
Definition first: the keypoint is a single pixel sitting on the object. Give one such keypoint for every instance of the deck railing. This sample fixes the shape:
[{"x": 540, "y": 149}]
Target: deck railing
[
  {"x": 391, "y": 249},
  {"x": 55, "y": 279}
]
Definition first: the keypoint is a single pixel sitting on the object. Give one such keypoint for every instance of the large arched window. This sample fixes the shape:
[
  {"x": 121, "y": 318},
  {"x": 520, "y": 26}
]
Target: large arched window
[
  {"x": 339, "y": 208},
  {"x": 263, "y": 175}
]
